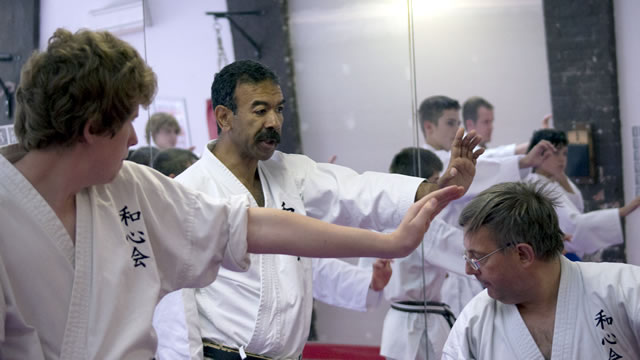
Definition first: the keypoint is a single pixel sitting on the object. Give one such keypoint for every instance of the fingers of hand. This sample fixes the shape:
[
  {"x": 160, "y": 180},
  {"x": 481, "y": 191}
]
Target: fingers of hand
[{"x": 478, "y": 153}]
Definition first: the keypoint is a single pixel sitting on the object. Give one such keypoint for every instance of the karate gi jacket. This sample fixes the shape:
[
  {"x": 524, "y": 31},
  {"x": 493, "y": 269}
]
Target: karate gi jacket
[
  {"x": 138, "y": 238},
  {"x": 597, "y": 317},
  {"x": 267, "y": 310}
]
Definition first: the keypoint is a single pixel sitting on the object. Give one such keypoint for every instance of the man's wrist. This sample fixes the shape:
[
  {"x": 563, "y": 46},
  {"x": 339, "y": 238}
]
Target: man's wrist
[{"x": 425, "y": 188}]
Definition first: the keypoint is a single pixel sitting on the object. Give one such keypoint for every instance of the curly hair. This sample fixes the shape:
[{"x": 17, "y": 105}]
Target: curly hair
[{"x": 86, "y": 77}]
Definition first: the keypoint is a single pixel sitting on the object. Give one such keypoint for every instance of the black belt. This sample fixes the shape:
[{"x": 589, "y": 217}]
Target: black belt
[
  {"x": 215, "y": 351},
  {"x": 429, "y": 307}
]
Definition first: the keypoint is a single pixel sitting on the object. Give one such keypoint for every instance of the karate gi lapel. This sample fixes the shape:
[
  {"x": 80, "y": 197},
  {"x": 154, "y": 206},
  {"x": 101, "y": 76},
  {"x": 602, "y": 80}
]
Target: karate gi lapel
[
  {"x": 517, "y": 335},
  {"x": 36, "y": 205},
  {"x": 222, "y": 176},
  {"x": 567, "y": 311},
  {"x": 74, "y": 345}
]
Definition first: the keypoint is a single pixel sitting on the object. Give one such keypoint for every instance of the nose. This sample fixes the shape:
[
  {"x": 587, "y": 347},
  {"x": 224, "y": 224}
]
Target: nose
[
  {"x": 274, "y": 121},
  {"x": 133, "y": 137},
  {"x": 469, "y": 270}
]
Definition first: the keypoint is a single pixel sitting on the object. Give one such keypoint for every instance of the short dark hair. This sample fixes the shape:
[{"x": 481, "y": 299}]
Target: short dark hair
[
  {"x": 471, "y": 106},
  {"x": 173, "y": 161},
  {"x": 83, "y": 77},
  {"x": 431, "y": 108},
  {"x": 517, "y": 213},
  {"x": 555, "y": 137},
  {"x": 144, "y": 155},
  {"x": 224, "y": 84},
  {"x": 407, "y": 160},
  {"x": 238, "y": 72}
]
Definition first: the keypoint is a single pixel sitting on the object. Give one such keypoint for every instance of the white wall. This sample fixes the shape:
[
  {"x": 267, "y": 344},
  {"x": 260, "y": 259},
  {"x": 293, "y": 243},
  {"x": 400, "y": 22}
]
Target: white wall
[
  {"x": 628, "y": 54},
  {"x": 180, "y": 47}
]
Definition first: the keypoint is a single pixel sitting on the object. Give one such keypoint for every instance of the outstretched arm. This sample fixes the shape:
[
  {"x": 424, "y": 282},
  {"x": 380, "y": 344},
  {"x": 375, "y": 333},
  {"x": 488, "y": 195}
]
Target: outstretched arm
[{"x": 274, "y": 231}]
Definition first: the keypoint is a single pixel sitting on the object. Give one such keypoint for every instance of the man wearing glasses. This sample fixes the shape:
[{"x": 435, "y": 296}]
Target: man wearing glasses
[{"x": 537, "y": 304}]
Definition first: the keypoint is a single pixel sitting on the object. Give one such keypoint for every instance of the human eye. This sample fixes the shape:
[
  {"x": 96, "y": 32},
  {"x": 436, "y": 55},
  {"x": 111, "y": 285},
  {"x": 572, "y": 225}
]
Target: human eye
[
  {"x": 280, "y": 109},
  {"x": 260, "y": 111}
]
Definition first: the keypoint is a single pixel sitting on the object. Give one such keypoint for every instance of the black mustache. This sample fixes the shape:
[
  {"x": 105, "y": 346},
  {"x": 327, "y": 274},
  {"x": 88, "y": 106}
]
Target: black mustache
[{"x": 267, "y": 135}]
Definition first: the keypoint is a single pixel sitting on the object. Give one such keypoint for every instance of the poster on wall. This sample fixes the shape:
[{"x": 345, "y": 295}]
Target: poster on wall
[
  {"x": 178, "y": 108},
  {"x": 7, "y": 135}
]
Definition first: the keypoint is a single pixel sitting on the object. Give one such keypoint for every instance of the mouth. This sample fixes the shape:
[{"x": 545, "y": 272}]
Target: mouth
[{"x": 268, "y": 145}]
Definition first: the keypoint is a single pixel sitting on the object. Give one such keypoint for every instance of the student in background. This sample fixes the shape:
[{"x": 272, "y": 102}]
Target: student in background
[
  {"x": 172, "y": 162},
  {"x": 164, "y": 129}
]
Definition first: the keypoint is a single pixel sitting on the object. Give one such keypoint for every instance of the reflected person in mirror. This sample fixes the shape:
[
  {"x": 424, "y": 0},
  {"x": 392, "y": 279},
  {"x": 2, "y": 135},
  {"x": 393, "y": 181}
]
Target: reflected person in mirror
[
  {"x": 163, "y": 129},
  {"x": 590, "y": 231},
  {"x": 415, "y": 287}
]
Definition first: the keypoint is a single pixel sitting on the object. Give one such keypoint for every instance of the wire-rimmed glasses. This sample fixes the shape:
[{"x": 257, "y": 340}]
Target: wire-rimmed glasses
[{"x": 475, "y": 263}]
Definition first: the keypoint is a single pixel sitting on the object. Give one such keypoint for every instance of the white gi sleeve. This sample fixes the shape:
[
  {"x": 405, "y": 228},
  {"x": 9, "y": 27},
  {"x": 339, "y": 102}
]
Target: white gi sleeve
[
  {"x": 339, "y": 283},
  {"x": 444, "y": 246},
  {"x": 500, "y": 151},
  {"x": 336, "y": 194},
  {"x": 591, "y": 231},
  {"x": 191, "y": 234}
]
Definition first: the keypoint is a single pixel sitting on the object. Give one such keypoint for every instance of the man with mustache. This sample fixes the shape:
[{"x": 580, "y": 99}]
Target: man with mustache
[{"x": 266, "y": 311}]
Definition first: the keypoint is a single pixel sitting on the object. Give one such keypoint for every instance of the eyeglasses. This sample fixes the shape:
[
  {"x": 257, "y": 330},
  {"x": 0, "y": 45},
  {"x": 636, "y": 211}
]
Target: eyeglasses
[{"x": 475, "y": 263}]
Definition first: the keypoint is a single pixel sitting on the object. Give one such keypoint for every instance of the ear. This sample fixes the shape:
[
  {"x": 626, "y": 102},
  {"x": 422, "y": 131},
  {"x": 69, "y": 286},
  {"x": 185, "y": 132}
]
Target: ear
[
  {"x": 224, "y": 115},
  {"x": 526, "y": 255},
  {"x": 87, "y": 136},
  {"x": 428, "y": 128},
  {"x": 469, "y": 125}
]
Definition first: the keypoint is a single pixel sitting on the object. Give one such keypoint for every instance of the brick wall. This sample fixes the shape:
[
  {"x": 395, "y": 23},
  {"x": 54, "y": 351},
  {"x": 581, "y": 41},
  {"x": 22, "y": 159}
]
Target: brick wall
[{"x": 581, "y": 52}]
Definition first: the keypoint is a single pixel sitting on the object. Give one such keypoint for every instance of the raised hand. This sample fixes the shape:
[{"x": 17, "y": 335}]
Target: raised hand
[
  {"x": 462, "y": 164},
  {"x": 416, "y": 221},
  {"x": 537, "y": 155},
  {"x": 381, "y": 274}
]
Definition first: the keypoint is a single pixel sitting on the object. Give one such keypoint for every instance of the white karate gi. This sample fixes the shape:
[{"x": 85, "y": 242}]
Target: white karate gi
[
  {"x": 591, "y": 231},
  {"x": 499, "y": 151},
  {"x": 267, "y": 310},
  {"x": 403, "y": 332},
  {"x": 597, "y": 316},
  {"x": 457, "y": 290},
  {"x": 137, "y": 238}
]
